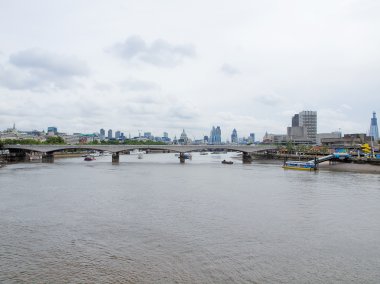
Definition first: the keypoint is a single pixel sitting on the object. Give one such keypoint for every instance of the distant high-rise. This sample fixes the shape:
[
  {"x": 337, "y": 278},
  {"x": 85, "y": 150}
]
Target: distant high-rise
[
  {"x": 373, "y": 130},
  {"x": 308, "y": 119},
  {"x": 234, "y": 137},
  {"x": 251, "y": 138},
  {"x": 102, "y": 134},
  {"x": 51, "y": 129},
  {"x": 117, "y": 134},
  {"x": 109, "y": 136},
  {"x": 296, "y": 120},
  {"x": 215, "y": 135}
]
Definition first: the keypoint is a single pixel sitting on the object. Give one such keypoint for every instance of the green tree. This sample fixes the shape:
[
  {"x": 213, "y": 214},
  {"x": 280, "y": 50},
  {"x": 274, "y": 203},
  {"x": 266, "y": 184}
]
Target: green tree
[{"x": 54, "y": 140}]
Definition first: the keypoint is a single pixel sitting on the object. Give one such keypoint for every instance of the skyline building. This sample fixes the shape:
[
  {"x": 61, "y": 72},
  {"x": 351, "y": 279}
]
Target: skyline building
[
  {"x": 109, "y": 136},
  {"x": 216, "y": 135},
  {"x": 117, "y": 134},
  {"x": 234, "y": 136},
  {"x": 102, "y": 134},
  {"x": 183, "y": 138},
  {"x": 308, "y": 119},
  {"x": 374, "y": 130},
  {"x": 51, "y": 129}
]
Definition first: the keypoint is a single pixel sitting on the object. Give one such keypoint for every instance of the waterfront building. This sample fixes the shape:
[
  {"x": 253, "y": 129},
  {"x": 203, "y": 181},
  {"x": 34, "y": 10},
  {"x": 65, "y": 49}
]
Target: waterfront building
[
  {"x": 234, "y": 136},
  {"x": 332, "y": 135},
  {"x": 304, "y": 128},
  {"x": 308, "y": 119},
  {"x": 373, "y": 130},
  {"x": 109, "y": 136},
  {"x": 347, "y": 141}
]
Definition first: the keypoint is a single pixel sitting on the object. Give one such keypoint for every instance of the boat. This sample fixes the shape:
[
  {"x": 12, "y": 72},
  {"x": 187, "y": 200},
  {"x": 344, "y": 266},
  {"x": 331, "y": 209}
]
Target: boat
[
  {"x": 136, "y": 152},
  {"x": 89, "y": 158},
  {"x": 299, "y": 165},
  {"x": 203, "y": 153},
  {"x": 140, "y": 156},
  {"x": 227, "y": 162},
  {"x": 186, "y": 156}
]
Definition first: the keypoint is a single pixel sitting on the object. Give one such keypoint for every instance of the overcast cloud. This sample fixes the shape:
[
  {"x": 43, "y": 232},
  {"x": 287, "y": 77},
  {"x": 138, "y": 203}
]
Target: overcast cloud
[{"x": 170, "y": 65}]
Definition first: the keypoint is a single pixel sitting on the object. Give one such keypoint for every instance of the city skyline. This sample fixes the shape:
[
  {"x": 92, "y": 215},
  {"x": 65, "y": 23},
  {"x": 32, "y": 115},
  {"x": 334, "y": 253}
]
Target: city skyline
[{"x": 247, "y": 65}]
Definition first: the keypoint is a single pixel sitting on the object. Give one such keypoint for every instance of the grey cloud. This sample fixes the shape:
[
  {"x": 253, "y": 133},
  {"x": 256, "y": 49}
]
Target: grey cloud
[
  {"x": 59, "y": 65},
  {"x": 229, "y": 70},
  {"x": 35, "y": 69},
  {"x": 159, "y": 53}
]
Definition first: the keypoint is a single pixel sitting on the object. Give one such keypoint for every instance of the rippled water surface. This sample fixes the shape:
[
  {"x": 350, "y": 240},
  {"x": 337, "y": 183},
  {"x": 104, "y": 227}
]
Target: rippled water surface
[{"x": 157, "y": 221}]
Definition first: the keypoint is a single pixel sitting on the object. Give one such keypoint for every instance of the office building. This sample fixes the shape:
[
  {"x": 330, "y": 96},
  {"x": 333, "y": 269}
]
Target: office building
[
  {"x": 234, "y": 137},
  {"x": 215, "y": 135},
  {"x": 308, "y": 119},
  {"x": 109, "y": 136},
  {"x": 373, "y": 130},
  {"x": 52, "y": 130},
  {"x": 117, "y": 134},
  {"x": 102, "y": 134}
]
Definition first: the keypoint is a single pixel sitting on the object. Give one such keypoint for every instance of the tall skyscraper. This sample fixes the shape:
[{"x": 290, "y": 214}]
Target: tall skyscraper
[
  {"x": 234, "y": 137},
  {"x": 102, "y": 134},
  {"x": 373, "y": 130},
  {"x": 109, "y": 134},
  {"x": 308, "y": 119},
  {"x": 216, "y": 135}
]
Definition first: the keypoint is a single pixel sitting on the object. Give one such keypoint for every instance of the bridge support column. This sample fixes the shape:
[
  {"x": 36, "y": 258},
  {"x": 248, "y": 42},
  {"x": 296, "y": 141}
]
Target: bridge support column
[
  {"x": 182, "y": 158},
  {"x": 115, "y": 158},
  {"x": 48, "y": 158},
  {"x": 247, "y": 158}
]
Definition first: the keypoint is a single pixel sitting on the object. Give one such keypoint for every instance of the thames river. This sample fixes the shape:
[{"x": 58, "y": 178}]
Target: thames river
[{"x": 158, "y": 221}]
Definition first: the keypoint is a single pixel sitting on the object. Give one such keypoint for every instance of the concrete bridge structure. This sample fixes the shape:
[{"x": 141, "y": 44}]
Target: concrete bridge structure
[{"x": 48, "y": 150}]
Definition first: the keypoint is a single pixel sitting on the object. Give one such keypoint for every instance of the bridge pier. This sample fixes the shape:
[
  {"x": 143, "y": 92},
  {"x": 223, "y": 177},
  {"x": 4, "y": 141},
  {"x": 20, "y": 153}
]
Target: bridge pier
[
  {"x": 182, "y": 158},
  {"x": 48, "y": 158},
  {"x": 247, "y": 158},
  {"x": 115, "y": 158}
]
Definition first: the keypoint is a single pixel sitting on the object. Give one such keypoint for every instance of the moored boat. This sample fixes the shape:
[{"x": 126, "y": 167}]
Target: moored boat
[
  {"x": 299, "y": 165},
  {"x": 136, "y": 152}
]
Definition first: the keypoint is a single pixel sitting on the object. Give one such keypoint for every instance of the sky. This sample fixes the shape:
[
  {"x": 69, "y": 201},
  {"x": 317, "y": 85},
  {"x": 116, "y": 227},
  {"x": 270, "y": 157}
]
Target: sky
[{"x": 155, "y": 66}]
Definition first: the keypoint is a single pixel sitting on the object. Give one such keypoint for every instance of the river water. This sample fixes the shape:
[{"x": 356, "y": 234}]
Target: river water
[{"x": 157, "y": 221}]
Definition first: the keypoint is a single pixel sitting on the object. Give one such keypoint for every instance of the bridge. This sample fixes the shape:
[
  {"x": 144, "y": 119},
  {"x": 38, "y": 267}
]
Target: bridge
[{"x": 48, "y": 150}]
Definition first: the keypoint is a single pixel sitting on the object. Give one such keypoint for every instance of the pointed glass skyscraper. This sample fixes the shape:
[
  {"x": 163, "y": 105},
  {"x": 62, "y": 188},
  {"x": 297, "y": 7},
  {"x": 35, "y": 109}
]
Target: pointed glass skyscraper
[{"x": 373, "y": 130}]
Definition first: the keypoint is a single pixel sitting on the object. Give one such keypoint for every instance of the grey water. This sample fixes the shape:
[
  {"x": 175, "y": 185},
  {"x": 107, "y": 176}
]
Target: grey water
[{"x": 158, "y": 221}]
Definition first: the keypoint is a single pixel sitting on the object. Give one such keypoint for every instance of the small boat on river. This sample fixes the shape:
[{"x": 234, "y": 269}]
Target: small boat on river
[
  {"x": 299, "y": 165},
  {"x": 227, "y": 162},
  {"x": 89, "y": 158}
]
